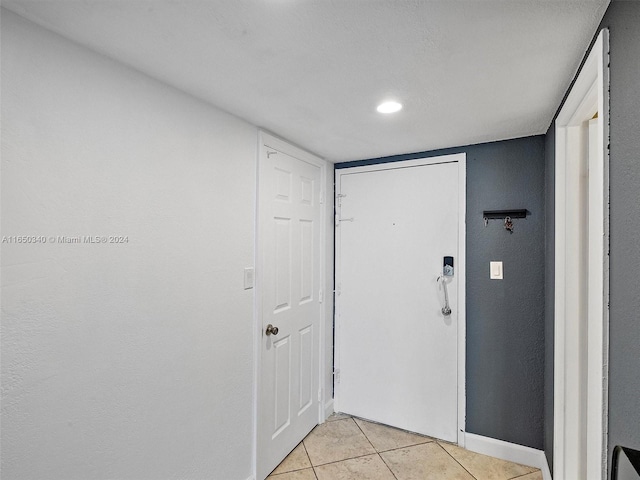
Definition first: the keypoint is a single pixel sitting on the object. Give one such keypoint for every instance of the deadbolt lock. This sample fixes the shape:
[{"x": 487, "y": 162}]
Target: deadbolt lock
[{"x": 271, "y": 330}]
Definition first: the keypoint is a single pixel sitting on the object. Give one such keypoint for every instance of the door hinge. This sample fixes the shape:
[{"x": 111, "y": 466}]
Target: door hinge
[
  {"x": 339, "y": 197},
  {"x": 336, "y": 375},
  {"x": 338, "y": 289},
  {"x": 320, "y": 296},
  {"x": 321, "y": 197}
]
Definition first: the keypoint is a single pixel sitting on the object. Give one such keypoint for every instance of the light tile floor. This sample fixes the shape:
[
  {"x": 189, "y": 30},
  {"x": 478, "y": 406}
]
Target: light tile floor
[{"x": 348, "y": 448}]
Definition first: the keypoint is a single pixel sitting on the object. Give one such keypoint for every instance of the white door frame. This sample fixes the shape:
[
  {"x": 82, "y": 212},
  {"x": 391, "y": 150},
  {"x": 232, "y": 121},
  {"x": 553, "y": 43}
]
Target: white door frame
[
  {"x": 461, "y": 158},
  {"x": 268, "y": 141},
  {"x": 580, "y": 411}
]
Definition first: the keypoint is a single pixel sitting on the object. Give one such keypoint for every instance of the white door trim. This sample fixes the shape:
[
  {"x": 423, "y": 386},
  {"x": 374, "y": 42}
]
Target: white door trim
[
  {"x": 267, "y": 140},
  {"x": 461, "y": 158},
  {"x": 588, "y": 95}
]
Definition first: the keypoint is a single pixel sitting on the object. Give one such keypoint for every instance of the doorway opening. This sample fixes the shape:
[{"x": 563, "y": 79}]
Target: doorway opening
[{"x": 582, "y": 272}]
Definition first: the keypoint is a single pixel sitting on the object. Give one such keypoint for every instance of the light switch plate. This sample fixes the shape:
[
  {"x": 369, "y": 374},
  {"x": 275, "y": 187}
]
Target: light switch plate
[
  {"x": 248, "y": 278},
  {"x": 495, "y": 270}
]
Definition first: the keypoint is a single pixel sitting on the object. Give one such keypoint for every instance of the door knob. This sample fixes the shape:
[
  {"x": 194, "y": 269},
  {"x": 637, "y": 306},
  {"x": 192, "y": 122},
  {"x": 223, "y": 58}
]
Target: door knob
[{"x": 271, "y": 330}]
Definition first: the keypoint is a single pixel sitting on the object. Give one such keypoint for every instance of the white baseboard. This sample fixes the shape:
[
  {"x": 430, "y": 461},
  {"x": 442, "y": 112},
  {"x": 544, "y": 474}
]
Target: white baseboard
[
  {"x": 251, "y": 478},
  {"x": 508, "y": 451},
  {"x": 328, "y": 409}
]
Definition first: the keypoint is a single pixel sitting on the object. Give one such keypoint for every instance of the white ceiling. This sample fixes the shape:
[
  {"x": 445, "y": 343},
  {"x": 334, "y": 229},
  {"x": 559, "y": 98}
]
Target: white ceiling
[{"x": 313, "y": 71}]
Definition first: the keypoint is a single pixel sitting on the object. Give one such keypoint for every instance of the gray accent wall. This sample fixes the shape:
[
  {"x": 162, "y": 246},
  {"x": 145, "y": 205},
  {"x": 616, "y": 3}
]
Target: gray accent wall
[
  {"x": 622, "y": 19},
  {"x": 505, "y": 318},
  {"x": 549, "y": 288}
]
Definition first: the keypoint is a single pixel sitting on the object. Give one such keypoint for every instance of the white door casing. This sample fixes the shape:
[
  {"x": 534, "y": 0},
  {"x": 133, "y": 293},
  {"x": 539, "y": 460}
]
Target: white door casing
[
  {"x": 289, "y": 297},
  {"x": 399, "y": 361},
  {"x": 581, "y": 273}
]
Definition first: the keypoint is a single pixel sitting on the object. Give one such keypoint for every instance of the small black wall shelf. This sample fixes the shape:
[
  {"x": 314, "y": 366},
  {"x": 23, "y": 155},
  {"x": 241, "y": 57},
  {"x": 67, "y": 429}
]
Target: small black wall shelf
[
  {"x": 517, "y": 213},
  {"x": 506, "y": 215}
]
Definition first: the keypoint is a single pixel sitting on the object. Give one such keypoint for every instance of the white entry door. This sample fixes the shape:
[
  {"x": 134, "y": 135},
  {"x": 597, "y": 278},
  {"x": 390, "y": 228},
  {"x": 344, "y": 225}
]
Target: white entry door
[
  {"x": 397, "y": 353},
  {"x": 289, "y": 236}
]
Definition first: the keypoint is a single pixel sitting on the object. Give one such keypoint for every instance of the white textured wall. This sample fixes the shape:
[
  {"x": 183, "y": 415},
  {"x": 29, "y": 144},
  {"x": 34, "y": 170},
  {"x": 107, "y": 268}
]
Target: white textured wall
[{"x": 129, "y": 361}]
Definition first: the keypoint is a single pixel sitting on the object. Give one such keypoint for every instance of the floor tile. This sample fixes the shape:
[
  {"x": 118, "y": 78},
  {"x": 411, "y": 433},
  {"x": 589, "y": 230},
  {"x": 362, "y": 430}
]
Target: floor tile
[
  {"x": 424, "y": 462},
  {"x": 370, "y": 467},
  {"x": 484, "y": 467},
  {"x": 335, "y": 441},
  {"x": 337, "y": 416},
  {"x": 306, "y": 474},
  {"x": 385, "y": 438},
  {"x": 532, "y": 476},
  {"x": 296, "y": 460}
]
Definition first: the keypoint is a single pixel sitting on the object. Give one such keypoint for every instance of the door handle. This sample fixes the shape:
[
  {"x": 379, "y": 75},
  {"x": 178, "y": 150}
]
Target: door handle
[
  {"x": 446, "y": 310},
  {"x": 271, "y": 330}
]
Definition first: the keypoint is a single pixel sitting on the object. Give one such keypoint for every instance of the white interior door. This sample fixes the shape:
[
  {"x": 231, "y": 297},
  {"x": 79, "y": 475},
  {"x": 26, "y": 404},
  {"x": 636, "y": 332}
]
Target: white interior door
[
  {"x": 397, "y": 353},
  {"x": 290, "y": 232}
]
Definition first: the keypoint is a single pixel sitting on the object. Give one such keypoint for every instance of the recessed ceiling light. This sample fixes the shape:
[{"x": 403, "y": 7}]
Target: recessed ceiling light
[{"x": 389, "y": 107}]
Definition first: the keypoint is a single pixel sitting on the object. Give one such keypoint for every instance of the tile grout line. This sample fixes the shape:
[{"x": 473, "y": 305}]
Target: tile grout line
[
  {"x": 456, "y": 460},
  {"x": 383, "y": 461},
  {"x": 373, "y": 446},
  {"x": 295, "y": 469},
  {"x": 378, "y": 452},
  {"x": 354, "y": 458},
  {"x": 345, "y": 459},
  {"x": 289, "y": 471},
  {"x": 338, "y": 461},
  {"x": 393, "y": 428},
  {"x": 365, "y": 435},
  {"x": 304, "y": 447},
  {"x": 336, "y": 420},
  {"x": 525, "y": 474},
  {"x": 427, "y": 439},
  {"x": 407, "y": 446}
]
